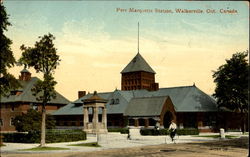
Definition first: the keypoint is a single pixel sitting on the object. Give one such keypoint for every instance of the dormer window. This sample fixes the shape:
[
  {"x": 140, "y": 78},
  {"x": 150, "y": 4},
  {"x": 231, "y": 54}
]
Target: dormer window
[
  {"x": 13, "y": 92},
  {"x": 16, "y": 92},
  {"x": 116, "y": 101}
]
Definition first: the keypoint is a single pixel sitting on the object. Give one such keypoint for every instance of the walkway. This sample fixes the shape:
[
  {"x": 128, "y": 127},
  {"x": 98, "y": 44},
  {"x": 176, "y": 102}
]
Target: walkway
[{"x": 108, "y": 141}]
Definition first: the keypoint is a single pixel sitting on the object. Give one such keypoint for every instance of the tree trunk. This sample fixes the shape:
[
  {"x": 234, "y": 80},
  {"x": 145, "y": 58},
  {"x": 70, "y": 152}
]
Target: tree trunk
[
  {"x": 43, "y": 126},
  {"x": 243, "y": 119}
]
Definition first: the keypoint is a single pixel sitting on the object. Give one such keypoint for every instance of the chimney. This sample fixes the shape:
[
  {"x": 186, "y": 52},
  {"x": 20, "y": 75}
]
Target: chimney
[
  {"x": 25, "y": 75},
  {"x": 81, "y": 94}
]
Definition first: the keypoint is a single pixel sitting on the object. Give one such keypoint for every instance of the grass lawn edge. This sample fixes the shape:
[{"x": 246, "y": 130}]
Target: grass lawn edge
[
  {"x": 44, "y": 149},
  {"x": 216, "y": 136},
  {"x": 92, "y": 144}
]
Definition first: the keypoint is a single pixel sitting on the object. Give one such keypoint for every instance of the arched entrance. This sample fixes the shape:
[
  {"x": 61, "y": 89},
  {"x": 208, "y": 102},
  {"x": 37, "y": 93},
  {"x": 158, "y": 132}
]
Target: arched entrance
[{"x": 167, "y": 119}]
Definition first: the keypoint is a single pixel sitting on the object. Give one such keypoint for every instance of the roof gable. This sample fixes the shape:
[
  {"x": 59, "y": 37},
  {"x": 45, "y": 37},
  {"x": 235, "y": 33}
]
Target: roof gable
[
  {"x": 117, "y": 103},
  {"x": 27, "y": 96},
  {"x": 147, "y": 106},
  {"x": 188, "y": 99},
  {"x": 138, "y": 63}
]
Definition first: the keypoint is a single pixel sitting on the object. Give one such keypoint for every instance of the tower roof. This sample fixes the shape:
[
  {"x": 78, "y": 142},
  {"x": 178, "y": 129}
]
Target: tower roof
[
  {"x": 25, "y": 71},
  {"x": 138, "y": 63},
  {"x": 95, "y": 98}
]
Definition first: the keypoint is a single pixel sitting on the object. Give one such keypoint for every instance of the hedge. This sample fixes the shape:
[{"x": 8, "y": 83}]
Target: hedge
[
  {"x": 51, "y": 136},
  {"x": 121, "y": 130},
  {"x": 188, "y": 131},
  {"x": 191, "y": 131}
]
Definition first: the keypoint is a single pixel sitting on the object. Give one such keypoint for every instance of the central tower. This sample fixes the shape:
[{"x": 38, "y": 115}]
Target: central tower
[{"x": 138, "y": 75}]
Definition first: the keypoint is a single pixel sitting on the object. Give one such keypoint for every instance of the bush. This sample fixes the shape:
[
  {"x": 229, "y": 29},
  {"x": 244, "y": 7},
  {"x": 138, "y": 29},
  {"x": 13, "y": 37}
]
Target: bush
[
  {"x": 52, "y": 136},
  {"x": 154, "y": 132},
  {"x": 31, "y": 121},
  {"x": 146, "y": 132},
  {"x": 188, "y": 131},
  {"x": 121, "y": 130}
]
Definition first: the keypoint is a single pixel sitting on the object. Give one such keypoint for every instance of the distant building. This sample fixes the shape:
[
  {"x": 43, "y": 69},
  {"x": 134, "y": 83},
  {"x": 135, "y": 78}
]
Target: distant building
[
  {"x": 142, "y": 103},
  {"x": 20, "y": 100}
]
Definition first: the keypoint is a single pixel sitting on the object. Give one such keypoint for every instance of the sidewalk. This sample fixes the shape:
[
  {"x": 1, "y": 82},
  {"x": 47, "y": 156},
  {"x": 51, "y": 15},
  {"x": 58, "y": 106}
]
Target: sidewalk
[{"x": 107, "y": 141}]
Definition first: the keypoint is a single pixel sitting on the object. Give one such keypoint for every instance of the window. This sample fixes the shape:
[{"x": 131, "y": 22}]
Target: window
[
  {"x": 12, "y": 107},
  {"x": 34, "y": 106},
  {"x": 12, "y": 92},
  {"x": 11, "y": 121},
  {"x": 116, "y": 101},
  {"x": 1, "y": 122},
  {"x": 112, "y": 102}
]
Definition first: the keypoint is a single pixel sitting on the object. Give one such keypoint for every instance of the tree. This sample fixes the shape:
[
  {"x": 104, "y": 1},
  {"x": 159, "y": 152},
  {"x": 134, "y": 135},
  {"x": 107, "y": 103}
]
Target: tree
[
  {"x": 43, "y": 58},
  {"x": 7, "y": 60},
  {"x": 31, "y": 121},
  {"x": 231, "y": 81}
]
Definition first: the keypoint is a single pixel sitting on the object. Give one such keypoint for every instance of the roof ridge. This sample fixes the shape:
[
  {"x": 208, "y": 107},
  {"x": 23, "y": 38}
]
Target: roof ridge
[
  {"x": 177, "y": 87},
  {"x": 149, "y": 97}
]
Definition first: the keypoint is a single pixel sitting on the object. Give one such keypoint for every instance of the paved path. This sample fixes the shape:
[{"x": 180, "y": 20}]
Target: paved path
[{"x": 107, "y": 142}]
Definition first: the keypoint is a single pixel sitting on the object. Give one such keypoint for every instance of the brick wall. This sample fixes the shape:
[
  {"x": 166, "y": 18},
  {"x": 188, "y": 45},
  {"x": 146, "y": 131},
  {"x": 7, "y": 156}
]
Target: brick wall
[
  {"x": 11, "y": 110},
  {"x": 139, "y": 80}
]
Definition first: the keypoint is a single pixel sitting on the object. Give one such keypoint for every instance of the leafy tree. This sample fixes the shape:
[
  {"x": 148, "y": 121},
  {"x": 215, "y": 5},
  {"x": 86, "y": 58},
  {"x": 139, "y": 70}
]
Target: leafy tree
[
  {"x": 31, "y": 121},
  {"x": 43, "y": 58},
  {"x": 7, "y": 60},
  {"x": 232, "y": 85}
]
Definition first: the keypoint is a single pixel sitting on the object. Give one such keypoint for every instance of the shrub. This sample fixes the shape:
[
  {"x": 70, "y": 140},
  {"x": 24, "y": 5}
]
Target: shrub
[
  {"x": 191, "y": 131},
  {"x": 52, "y": 136},
  {"x": 65, "y": 136},
  {"x": 188, "y": 131},
  {"x": 154, "y": 132},
  {"x": 121, "y": 130},
  {"x": 31, "y": 121}
]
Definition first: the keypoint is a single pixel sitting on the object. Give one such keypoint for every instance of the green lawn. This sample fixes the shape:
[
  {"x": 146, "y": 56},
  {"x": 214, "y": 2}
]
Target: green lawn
[
  {"x": 44, "y": 149},
  {"x": 93, "y": 144},
  {"x": 216, "y": 136}
]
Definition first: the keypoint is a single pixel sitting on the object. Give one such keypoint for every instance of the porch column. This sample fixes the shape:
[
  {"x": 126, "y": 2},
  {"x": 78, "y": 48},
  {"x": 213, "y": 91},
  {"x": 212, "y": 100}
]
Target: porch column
[
  {"x": 86, "y": 117},
  {"x": 136, "y": 122},
  {"x": 199, "y": 120},
  {"x": 95, "y": 118},
  {"x": 104, "y": 117},
  {"x": 146, "y": 122}
]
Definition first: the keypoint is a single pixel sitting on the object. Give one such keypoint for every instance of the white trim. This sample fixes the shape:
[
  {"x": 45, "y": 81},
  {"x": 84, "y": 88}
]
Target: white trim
[{"x": 11, "y": 121}]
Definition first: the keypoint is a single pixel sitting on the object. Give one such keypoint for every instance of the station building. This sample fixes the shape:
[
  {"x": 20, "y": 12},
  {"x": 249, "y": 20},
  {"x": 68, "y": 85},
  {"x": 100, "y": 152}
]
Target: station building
[{"x": 141, "y": 102}]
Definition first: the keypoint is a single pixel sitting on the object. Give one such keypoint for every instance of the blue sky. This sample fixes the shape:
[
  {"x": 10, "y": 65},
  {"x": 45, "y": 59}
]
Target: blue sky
[
  {"x": 56, "y": 13},
  {"x": 95, "y": 42}
]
